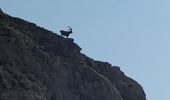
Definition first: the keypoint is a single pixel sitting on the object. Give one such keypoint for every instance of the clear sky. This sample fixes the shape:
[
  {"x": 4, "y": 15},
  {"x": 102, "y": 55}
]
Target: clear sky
[{"x": 132, "y": 34}]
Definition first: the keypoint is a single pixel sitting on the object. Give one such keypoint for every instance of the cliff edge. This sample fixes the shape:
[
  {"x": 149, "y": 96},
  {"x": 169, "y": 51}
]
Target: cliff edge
[{"x": 37, "y": 64}]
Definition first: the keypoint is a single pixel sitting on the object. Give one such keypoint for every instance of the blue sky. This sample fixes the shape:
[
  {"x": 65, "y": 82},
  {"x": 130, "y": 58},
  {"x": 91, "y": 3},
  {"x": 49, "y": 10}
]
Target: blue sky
[{"x": 132, "y": 34}]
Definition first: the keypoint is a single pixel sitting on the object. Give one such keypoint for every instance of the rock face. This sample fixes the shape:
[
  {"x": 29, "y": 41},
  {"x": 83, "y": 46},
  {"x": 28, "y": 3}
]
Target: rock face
[{"x": 37, "y": 64}]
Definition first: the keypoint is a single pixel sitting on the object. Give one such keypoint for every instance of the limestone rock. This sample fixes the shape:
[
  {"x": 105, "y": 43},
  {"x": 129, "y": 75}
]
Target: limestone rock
[{"x": 37, "y": 64}]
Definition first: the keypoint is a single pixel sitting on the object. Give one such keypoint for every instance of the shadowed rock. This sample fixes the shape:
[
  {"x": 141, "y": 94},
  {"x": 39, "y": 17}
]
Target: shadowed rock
[{"x": 37, "y": 64}]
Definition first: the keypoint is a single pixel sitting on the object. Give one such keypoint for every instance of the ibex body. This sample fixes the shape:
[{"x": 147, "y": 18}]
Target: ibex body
[{"x": 66, "y": 33}]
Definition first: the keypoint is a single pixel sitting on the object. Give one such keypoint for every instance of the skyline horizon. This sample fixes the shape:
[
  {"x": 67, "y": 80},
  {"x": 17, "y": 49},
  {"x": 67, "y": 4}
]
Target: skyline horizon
[{"x": 133, "y": 35}]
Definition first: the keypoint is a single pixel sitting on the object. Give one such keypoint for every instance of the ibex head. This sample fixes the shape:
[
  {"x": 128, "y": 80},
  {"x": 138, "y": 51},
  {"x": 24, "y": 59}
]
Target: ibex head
[{"x": 70, "y": 29}]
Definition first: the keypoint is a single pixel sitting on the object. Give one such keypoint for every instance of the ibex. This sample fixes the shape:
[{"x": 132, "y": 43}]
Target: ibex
[{"x": 66, "y": 33}]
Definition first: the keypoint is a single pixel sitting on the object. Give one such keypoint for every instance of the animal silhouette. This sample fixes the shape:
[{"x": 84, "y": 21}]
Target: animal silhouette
[{"x": 66, "y": 33}]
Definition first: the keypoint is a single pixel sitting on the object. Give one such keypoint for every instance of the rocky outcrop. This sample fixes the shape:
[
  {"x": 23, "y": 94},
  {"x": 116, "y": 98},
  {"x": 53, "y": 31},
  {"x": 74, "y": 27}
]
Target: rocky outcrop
[{"x": 37, "y": 64}]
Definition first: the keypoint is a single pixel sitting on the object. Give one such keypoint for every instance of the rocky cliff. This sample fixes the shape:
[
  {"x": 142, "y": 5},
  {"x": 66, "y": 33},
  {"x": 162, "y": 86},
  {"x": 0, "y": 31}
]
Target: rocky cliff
[{"x": 37, "y": 64}]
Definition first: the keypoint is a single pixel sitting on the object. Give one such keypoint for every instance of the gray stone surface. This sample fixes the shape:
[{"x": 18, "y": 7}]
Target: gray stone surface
[{"x": 37, "y": 64}]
